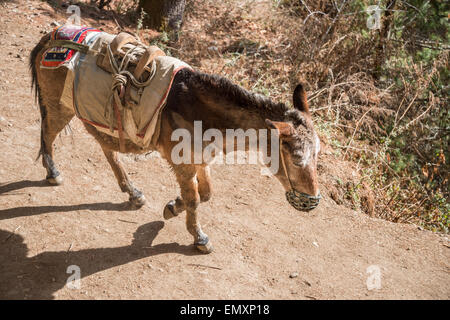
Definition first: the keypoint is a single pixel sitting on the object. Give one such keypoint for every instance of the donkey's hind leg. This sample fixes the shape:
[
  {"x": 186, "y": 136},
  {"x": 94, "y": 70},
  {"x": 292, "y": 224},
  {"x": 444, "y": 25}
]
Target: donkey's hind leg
[
  {"x": 137, "y": 199},
  {"x": 54, "y": 119}
]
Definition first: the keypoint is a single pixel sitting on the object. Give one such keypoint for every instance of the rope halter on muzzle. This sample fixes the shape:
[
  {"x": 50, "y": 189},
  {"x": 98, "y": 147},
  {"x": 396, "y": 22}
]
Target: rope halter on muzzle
[
  {"x": 299, "y": 200},
  {"x": 302, "y": 201}
]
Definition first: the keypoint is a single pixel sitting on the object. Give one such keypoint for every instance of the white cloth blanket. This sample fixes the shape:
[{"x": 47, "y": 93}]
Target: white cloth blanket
[{"x": 88, "y": 89}]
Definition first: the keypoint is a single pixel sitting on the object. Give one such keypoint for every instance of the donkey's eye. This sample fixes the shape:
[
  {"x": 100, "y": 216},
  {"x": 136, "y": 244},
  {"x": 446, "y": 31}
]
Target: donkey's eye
[{"x": 287, "y": 146}]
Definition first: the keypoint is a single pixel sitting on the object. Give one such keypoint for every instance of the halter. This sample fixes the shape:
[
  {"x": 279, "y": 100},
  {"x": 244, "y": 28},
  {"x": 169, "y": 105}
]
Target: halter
[{"x": 299, "y": 200}]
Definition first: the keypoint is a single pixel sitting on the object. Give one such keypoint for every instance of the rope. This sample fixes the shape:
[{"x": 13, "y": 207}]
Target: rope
[{"x": 121, "y": 76}]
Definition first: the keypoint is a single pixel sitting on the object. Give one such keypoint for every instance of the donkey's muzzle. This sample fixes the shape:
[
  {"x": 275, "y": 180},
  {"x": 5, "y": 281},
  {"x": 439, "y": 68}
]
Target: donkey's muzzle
[{"x": 302, "y": 201}]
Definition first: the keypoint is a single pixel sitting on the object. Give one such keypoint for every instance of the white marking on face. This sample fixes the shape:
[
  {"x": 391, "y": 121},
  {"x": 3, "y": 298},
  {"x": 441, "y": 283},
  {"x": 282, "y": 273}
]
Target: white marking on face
[{"x": 307, "y": 157}]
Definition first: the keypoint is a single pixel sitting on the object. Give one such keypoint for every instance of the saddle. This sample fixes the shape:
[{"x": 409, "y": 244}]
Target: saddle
[
  {"x": 132, "y": 82},
  {"x": 117, "y": 49},
  {"x": 108, "y": 58}
]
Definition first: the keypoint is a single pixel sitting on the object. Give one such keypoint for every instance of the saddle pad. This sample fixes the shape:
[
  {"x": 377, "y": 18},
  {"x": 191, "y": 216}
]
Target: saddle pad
[
  {"x": 56, "y": 57},
  {"x": 91, "y": 91}
]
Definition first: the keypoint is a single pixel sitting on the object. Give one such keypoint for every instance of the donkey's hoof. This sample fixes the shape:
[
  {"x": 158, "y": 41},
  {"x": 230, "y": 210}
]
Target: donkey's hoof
[
  {"x": 55, "y": 181},
  {"x": 138, "y": 202},
  {"x": 205, "y": 248},
  {"x": 169, "y": 210},
  {"x": 203, "y": 244}
]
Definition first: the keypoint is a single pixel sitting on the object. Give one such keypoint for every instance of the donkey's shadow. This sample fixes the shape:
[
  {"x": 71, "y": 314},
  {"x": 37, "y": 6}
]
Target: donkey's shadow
[
  {"x": 13, "y": 188},
  {"x": 40, "y": 276}
]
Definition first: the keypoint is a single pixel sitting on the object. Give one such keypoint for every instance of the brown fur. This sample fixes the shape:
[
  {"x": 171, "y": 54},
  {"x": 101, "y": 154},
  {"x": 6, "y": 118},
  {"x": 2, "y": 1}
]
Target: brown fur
[{"x": 215, "y": 101}]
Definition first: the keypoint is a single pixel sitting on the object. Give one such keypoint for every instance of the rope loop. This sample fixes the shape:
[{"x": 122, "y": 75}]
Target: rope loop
[{"x": 121, "y": 77}]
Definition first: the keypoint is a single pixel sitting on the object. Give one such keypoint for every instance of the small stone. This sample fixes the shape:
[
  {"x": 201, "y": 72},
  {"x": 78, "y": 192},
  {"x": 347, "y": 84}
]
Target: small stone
[
  {"x": 213, "y": 49},
  {"x": 266, "y": 172},
  {"x": 293, "y": 275}
]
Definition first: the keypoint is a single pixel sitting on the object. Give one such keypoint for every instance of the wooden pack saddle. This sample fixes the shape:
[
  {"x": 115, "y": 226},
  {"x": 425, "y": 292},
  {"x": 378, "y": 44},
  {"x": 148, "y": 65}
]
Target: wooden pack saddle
[
  {"x": 121, "y": 93},
  {"x": 117, "y": 47}
]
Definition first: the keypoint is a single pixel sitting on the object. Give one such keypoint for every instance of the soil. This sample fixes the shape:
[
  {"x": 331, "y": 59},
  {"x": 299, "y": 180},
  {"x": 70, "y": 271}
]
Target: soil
[{"x": 264, "y": 249}]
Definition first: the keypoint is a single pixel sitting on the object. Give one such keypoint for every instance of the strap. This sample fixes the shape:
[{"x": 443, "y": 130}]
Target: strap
[
  {"x": 120, "y": 40},
  {"x": 150, "y": 53},
  {"x": 284, "y": 165},
  {"x": 68, "y": 44},
  {"x": 119, "y": 118}
]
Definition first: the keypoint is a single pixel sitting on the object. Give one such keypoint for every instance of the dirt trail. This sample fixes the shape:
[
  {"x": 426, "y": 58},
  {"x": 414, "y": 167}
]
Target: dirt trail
[{"x": 263, "y": 247}]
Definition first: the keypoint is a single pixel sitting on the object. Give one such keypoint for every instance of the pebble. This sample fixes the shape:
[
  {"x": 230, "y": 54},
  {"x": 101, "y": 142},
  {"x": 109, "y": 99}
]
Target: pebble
[
  {"x": 5, "y": 122},
  {"x": 293, "y": 275}
]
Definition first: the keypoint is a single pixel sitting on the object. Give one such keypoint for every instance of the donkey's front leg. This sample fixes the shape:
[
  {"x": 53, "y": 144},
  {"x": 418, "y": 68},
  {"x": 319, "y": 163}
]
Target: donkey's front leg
[
  {"x": 137, "y": 199},
  {"x": 174, "y": 207},
  {"x": 186, "y": 176}
]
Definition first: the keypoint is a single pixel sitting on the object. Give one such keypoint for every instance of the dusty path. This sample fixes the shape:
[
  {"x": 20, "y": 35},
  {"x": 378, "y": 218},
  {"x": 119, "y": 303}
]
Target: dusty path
[{"x": 260, "y": 241}]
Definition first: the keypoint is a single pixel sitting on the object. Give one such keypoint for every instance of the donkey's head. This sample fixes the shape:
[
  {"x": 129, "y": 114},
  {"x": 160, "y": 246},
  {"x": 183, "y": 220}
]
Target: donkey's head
[{"x": 299, "y": 147}]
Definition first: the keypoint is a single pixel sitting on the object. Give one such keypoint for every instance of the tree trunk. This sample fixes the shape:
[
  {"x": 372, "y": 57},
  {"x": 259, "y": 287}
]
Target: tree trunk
[
  {"x": 384, "y": 31},
  {"x": 163, "y": 15}
]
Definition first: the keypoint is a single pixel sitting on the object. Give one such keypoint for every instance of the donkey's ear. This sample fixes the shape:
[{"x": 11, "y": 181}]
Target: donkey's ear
[
  {"x": 300, "y": 100},
  {"x": 284, "y": 129}
]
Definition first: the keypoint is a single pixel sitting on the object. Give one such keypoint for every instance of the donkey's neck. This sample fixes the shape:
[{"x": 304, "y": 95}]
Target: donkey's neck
[{"x": 220, "y": 104}]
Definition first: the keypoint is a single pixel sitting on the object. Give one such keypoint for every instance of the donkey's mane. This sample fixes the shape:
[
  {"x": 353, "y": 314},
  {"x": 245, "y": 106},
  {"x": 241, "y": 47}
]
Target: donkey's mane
[{"x": 221, "y": 87}]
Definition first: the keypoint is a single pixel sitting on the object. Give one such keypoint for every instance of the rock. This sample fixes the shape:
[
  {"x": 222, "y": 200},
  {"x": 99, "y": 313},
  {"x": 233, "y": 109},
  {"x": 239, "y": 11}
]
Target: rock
[
  {"x": 55, "y": 24},
  {"x": 214, "y": 50},
  {"x": 293, "y": 275},
  {"x": 264, "y": 171},
  {"x": 5, "y": 122}
]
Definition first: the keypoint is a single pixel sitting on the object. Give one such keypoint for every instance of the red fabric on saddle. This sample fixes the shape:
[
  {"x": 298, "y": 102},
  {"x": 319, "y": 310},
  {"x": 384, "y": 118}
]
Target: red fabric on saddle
[{"x": 55, "y": 57}]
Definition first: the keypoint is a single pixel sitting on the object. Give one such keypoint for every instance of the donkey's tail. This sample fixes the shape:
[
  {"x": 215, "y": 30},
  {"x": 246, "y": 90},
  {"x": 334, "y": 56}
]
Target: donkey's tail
[{"x": 33, "y": 65}]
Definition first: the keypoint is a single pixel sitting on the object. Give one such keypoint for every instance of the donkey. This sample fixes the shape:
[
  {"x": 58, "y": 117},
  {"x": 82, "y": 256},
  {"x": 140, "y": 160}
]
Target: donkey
[{"x": 194, "y": 96}]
